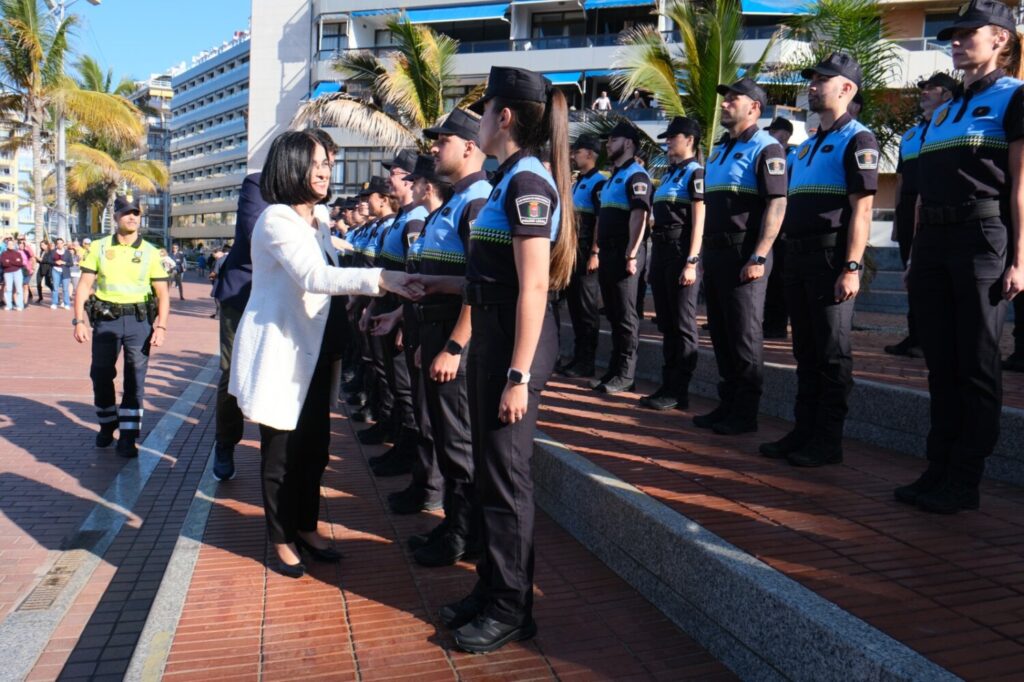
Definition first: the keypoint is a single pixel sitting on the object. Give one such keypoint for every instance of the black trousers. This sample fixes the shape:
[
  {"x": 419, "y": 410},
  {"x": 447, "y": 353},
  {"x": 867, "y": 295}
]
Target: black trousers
[
  {"x": 776, "y": 314},
  {"x": 230, "y": 422},
  {"x": 378, "y": 390},
  {"x": 821, "y": 343},
  {"x": 583, "y": 295},
  {"x": 735, "y": 317},
  {"x": 293, "y": 462},
  {"x": 396, "y": 370},
  {"x": 448, "y": 405},
  {"x": 955, "y": 287},
  {"x": 642, "y": 277},
  {"x": 1018, "y": 324},
  {"x": 676, "y": 307},
  {"x": 426, "y": 476},
  {"x": 501, "y": 455},
  {"x": 905, "y": 239},
  {"x": 109, "y": 337},
  {"x": 619, "y": 291}
]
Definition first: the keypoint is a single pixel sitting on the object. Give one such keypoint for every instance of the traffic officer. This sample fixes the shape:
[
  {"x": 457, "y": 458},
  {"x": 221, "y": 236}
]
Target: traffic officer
[
  {"x": 522, "y": 246},
  {"x": 619, "y": 249},
  {"x": 967, "y": 260},
  {"x": 776, "y": 319},
  {"x": 934, "y": 91},
  {"x": 445, "y": 329},
  {"x": 828, "y": 219},
  {"x": 123, "y": 314},
  {"x": 676, "y": 239},
  {"x": 584, "y": 291},
  {"x": 745, "y": 196}
]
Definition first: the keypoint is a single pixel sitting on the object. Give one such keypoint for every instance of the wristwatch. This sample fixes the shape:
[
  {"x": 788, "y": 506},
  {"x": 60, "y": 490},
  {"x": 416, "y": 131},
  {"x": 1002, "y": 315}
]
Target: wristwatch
[
  {"x": 693, "y": 260},
  {"x": 75, "y": 322},
  {"x": 758, "y": 260},
  {"x": 517, "y": 377},
  {"x": 853, "y": 266},
  {"x": 453, "y": 347}
]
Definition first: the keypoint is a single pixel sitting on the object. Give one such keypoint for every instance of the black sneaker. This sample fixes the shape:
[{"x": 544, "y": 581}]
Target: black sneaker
[
  {"x": 126, "y": 447},
  {"x": 932, "y": 479},
  {"x": 816, "y": 454},
  {"x": 616, "y": 385},
  {"x": 397, "y": 465},
  {"x": 485, "y": 635},
  {"x": 105, "y": 437},
  {"x": 734, "y": 425},
  {"x": 421, "y": 539},
  {"x": 662, "y": 399},
  {"x": 223, "y": 462},
  {"x": 904, "y": 348},
  {"x": 1015, "y": 363},
  {"x": 377, "y": 434},
  {"x": 364, "y": 415},
  {"x": 786, "y": 445},
  {"x": 706, "y": 421},
  {"x": 455, "y": 615},
  {"x": 950, "y": 498},
  {"x": 608, "y": 376},
  {"x": 579, "y": 370},
  {"x": 444, "y": 550},
  {"x": 412, "y": 500}
]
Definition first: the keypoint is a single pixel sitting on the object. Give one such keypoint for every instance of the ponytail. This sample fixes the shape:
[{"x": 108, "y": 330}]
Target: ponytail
[
  {"x": 563, "y": 252},
  {"x": 1010, "y": 58}
]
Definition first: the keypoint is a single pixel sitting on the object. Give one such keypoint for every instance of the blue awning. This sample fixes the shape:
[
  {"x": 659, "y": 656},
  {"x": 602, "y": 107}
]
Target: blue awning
[
  {"x": 564, "y": 77},
  {"x": 324, "y": 89},
  {"x": 600, "y": 73},
  {"x": 431, "y": 15},
  {"x": 775, "y": 7},
  {"x": 604, "y": 4}
]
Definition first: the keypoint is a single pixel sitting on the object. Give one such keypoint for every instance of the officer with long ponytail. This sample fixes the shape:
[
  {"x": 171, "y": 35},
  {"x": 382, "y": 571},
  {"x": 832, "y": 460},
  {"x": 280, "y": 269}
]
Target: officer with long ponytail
[
  {"x": 522, "y": 247},
  {"x": 967, "y": 259}
]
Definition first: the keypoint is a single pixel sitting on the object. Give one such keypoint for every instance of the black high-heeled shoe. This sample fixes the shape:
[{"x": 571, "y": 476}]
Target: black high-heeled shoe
[
  {"x": 289, "y": 570},
  {"x": 328, "y": 555}
]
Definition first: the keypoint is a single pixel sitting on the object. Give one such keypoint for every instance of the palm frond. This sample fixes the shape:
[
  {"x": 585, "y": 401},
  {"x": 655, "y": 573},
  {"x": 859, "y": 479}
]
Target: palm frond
[
  {"x": 360, "y": 67},
  {"x": 339, "y": 110},
  {"x": 472, "y": 96},
  {"x": 107, "y": 116},
  {"x": 154, "y": 172},
  {"x": 645, "y": 62}
]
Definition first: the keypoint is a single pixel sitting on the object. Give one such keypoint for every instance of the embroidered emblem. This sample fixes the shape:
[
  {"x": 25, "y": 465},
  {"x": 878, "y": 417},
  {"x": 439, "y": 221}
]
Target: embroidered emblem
[
  {"x": 639, "y": 188},
  {"x": 111, "y": 255},
  {"x": 827, "y": 148},
  {"x": 803, "y": 152},
  {"x": 698, "y": 186},
  {"x": 776, "y": 166},
  {"x": 941, "y": 117},
  {"x": 867, "y": 159},
  {"x": 533, "y": 209}
]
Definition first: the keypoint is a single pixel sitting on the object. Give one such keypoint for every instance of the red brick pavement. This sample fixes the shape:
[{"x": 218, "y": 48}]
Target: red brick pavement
[{"x": 951, "y": 588}]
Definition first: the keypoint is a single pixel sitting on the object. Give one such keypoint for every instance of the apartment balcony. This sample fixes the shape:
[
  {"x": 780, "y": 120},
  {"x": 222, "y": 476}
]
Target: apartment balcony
[
  {"x": 239, "y": 151},
  {"x": 208, "y": 183},
  {"x": 229, "y": 103},
  {"x": 205, "y": 206},
  {"x": 237, "y": 75},
  {"x": 226, "y": 129}
]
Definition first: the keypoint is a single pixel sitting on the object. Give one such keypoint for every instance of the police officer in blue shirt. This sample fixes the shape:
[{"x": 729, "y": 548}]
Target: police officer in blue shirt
[
  {"x": 584, "y": 290},
  {"x": 967, "y": 260},
  {"x": 619, "y": 234},
  {"x": 676, "y": 238},
  {"x": 522, "y": 247},
  {"x": 745, "y": 196},
  {"x": 828, "y": 219},
  {"x": 776, "y": 319},
  {"x": 934, "y": 91}
]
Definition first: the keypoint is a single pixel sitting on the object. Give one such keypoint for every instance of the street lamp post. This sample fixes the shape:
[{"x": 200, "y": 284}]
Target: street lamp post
[{"x": 59, "y": 8}]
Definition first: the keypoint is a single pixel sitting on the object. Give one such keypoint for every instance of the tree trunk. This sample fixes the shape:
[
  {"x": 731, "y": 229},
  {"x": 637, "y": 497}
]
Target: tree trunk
[
  {"x": 37, "y": 179},
  {"x": 63, "y": 230}
]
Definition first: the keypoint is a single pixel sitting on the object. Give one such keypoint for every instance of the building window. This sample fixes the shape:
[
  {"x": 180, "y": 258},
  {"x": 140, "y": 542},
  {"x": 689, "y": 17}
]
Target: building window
[
  {"x": 557, "y": 25},
  {"x": 616, "y": 20},
  {"x": 333, "y": 37},
  {"x": 933, "y": 23},
  {"x": 355, "y": 165},
  {"x": 383, "y": 38},
  {"x": 473, "y": 31}
]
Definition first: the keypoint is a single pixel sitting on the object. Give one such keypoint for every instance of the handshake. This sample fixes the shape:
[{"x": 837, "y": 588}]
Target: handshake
[{"x": 415, "y": 286}]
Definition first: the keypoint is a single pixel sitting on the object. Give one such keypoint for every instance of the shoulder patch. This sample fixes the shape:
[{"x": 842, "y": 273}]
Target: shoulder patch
[
  {"x": 776, "y": 166},
  {"x": 698, "y": 185},
  {"x": 640, "y": 187},
  {"x": 941, "y": 117},
  {"x": 867, "y": 159},
  {"x": 981, "y": 111},
  {"x": 533, "y": 209},
  {"x": 803, "y": 152}
]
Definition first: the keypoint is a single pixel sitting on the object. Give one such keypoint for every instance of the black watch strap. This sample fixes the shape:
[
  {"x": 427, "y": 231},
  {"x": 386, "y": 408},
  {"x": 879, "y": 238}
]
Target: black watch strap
[{"x": 453, "y": 347}]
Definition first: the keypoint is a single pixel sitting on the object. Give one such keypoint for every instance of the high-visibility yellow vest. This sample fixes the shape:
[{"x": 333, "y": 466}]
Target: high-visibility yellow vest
[{"x": 124, "y": 272}]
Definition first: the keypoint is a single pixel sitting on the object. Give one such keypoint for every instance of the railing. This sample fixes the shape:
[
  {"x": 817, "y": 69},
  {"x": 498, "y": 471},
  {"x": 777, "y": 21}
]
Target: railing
[
  {"x": 587, "y": 115},
  {"x": 924, "y": 44}
]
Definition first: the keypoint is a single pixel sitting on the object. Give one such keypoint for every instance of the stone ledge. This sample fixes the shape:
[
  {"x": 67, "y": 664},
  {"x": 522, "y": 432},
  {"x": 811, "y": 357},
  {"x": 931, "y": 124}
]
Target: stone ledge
[{"x": 759, "y": 622}]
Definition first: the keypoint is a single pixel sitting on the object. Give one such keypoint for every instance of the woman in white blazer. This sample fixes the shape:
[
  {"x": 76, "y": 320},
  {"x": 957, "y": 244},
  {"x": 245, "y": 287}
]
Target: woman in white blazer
[{"x": 281, "y": 369}]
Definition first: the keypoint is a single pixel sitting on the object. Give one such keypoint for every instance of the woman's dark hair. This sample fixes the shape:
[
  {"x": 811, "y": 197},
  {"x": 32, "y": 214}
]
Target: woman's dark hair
[
  {"x": 285, "y": 176},
  {"x": 325, "y": 139},
  {"x": 534, "y": 126}
]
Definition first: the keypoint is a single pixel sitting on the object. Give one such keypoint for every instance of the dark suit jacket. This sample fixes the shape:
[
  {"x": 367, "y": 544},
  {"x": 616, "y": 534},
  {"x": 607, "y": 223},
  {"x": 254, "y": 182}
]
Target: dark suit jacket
[{"x": 234, "y": 282}]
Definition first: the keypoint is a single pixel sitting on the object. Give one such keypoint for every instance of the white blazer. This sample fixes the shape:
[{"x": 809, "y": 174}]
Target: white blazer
[{"x": 278, "y": 339}]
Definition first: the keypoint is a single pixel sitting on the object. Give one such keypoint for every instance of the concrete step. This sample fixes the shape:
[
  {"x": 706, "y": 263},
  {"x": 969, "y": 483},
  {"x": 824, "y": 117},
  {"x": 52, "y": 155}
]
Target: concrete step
[
  {"x": 887, "y": 280},
  {"x": 882, "y": 301},
  {"x": 885, "y": 258},
  {"x": 881, "y": 414}
]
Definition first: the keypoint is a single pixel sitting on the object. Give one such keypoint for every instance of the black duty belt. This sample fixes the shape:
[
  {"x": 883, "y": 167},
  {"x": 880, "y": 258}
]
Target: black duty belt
[
  {"x": 437, "y": 312},
  {"x": 972, "y": 210},
  {"x": 494, "y": 294},
  {"x": 814, "y": 242},
  {"x": 671, "y": 234},
  {"x": 725, "y": 240}
]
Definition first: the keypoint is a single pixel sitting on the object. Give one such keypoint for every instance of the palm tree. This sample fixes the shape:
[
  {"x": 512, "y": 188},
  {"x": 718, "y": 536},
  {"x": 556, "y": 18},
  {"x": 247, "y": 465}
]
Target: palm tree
[
  {"x": 32, "y": 61},
  {"x": 91, "y": 77},
  {"x": 96, "y": 169},
  {"x": 683, "y": 79},
  {"x": 403, "y": 95}
]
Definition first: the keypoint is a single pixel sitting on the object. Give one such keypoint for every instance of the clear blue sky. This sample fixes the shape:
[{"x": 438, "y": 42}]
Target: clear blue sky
[{"x": 139, "y": 37}]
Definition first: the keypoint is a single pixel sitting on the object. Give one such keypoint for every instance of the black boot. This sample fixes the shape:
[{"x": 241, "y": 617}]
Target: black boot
[
  {"x": 412, "y": 500},
  {"x": 931, "y": 480},
  {"x": 951, "y": 496},
  {"x": 106, "y": 435},
  {"x": 485, "y": 635},
  {"x": 454, "y": 616},
  {"x": 788, "y": 444},
  {"x": 421, "y": 539},
  {"x": 126, "y": 446},
  {"x": 662, "y": 399},
  {"x": 734, "y": 425},
  {"x": 706, "y": 421},
  {"x": 817, "y": 452},
  {"x": 580, "y": 368},
  {"x": 443, "y": 550},
  {"x": 377, "y": 434}
]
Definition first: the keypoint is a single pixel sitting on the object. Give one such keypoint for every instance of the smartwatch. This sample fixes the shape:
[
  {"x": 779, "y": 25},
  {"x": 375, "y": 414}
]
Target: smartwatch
[
  {"x": 75, "y": 322},
  {"x": 693, "y": 260},
  {"x": 453, "y": 347},
  {"x": 517, "y": 377},
  {"x": 758, "y": 260},
  {"x": 853, "y": 266}
]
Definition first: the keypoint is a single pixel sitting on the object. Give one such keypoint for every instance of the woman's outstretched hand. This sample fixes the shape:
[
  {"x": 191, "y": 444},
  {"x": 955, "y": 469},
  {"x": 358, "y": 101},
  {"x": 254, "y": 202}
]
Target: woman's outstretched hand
[{"x": 402, "y": 284}]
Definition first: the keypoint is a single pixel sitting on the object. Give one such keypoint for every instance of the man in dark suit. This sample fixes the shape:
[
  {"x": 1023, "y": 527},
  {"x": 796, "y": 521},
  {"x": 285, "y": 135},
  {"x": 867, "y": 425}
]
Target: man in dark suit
[{"x": 234, "y": 283}]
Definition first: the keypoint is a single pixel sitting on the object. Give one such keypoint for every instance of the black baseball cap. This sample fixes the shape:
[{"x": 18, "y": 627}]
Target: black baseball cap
[
  {"x": 836, "y": 64},
  {"x": 124, "y": 205},
  {"x": 943, "y": 80},
  {"x": 460, "y": 123},
  {"x": 681, "y": 125},
  {"x": 339, "y": 203},
  {"x": 978, "y": 13},
  {"x": 745, "y": 86},
  {"x": 587, "y": 141},
  {"x": 406, "y": 160},
  {"x": 780, "y": 123},
  {"x": 511, "y": 83},
  {"x": 623, "y": 129},
  {"x": 426, "y": 169},
  {"x": 376, "y": 185}
]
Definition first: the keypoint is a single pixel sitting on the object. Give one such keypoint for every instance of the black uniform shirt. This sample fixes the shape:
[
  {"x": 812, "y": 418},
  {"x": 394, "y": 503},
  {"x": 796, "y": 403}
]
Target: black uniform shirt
[
  {"x": 629, "y": 188},
  {"x": 740, "y": 176},
  {"x": 586, "y": 198},
  {"x": 673, "y": 205}
]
